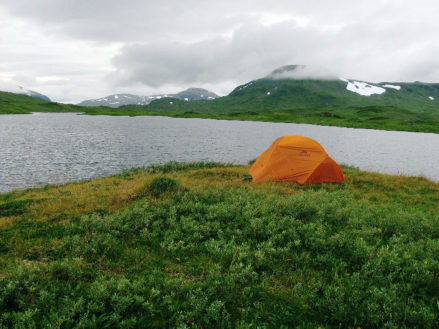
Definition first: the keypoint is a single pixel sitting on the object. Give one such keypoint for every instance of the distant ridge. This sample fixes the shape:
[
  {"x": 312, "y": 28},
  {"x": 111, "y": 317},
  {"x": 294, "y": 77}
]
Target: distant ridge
[
  {"x": 118, "y": 100},
  {"x": 193, "y": 94}
]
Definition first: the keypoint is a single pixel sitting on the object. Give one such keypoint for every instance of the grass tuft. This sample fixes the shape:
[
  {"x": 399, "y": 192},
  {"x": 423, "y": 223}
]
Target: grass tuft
[{"x": 161, "y": 185}]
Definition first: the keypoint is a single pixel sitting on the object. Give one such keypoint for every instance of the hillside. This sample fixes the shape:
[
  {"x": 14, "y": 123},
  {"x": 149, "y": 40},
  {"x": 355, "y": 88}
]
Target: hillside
[
  {"x": 193, "y": 94},
  {"x": 13, "y": 88},
  {"x": 279, "y": 91},
  {"x": 284, "y": 88},
  {"x": 118, "y": 100},
  {"x": 11, "y": 103}
]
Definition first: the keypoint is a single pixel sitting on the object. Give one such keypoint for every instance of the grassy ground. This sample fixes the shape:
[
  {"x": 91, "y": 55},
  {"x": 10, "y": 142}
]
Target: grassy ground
[
  {"x": 200, "y": 245},
  {"x": 381, "y": 118}
]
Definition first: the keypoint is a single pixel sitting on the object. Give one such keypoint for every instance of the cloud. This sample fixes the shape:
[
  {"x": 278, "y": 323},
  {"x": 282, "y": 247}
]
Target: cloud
[
  {"x": 63, "y": 69},
  {"x": 120, "y": 21},
  {"x": 97, "y": 48},
  {"x": 253, "y": 51},
  {"x": 25, "y": 80},
  {"x": 302, "y": 72},
  {"x": 10, "y": 87},
  {"x": 193, "y": 20}
]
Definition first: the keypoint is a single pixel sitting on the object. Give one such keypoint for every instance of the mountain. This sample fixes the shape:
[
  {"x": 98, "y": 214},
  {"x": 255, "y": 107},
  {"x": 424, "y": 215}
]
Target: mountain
[
  {"x": 34, "y": 94},
  {"x": 119, "y": 100},
  {"x": 193, "y": 94},
  {"x": 302, "y": 87},
  {"x": 14, "y": 103},
  {"x": 298, "y": 86},
  {"x": 16, "y": 89},
  {"x": 127, "y": 99}
]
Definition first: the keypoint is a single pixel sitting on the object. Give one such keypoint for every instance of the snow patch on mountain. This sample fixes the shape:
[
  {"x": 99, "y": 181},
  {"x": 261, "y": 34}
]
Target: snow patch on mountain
[
  {"x": 392, "y": 86},
  {"x": 245, "y": 86},
  {"x": 364, "y": 89},
  {"x": 126, "y": 99}
]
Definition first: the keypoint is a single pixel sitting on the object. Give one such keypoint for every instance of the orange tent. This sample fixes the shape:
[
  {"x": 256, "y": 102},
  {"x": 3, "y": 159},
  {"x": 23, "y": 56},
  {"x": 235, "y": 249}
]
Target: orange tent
[{"x": 296, "y": 158}]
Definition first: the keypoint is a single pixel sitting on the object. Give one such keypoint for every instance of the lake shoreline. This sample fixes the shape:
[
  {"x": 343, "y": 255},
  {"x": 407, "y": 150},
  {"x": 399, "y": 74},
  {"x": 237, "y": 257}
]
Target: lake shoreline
[
  {"x": 192, "y": 165},
  {"x": 329, "y": 120}
]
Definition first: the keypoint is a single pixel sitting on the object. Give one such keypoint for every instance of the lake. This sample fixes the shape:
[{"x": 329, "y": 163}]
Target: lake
[{"x": 53, "y": 148}]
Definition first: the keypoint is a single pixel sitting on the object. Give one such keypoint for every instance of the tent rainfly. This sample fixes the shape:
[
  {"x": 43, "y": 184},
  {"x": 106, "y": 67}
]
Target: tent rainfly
[{"x": 296, "y": 158}]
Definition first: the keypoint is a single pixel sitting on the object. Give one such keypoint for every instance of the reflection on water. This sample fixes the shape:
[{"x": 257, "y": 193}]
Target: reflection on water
[{"x": 45, "y": 148}]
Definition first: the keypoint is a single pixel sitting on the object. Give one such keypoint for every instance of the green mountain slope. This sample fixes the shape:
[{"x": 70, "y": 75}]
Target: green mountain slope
[
  {"x": 267, "y": 94},
  {"x": 281, "y": 97},
  {"x": 291, "y": 94},
  {"x": 6, "y": 86},
  {"x": 11, "y": 103},
  {"x": 278, "y": 91}
]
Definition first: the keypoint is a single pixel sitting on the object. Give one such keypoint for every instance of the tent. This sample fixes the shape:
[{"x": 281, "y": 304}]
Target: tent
[{"x": 296, "y": 158}]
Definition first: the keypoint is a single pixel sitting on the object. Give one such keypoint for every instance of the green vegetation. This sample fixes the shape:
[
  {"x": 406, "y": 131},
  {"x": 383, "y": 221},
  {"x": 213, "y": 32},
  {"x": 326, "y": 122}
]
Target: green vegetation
[
  {"x": 318, "y": 102},
  {"x": 161, "y": 185},
  {"x": 373, "y": 117},
  {"x": 280, "y": 95},
  {"x": 212, "y": 249},
  {"x": 11, "y": 103}
]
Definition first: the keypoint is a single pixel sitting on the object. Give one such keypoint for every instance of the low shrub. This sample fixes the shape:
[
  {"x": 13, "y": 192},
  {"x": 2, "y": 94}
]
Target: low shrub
[
  {"x": 161, "y": 185},
  {"x": 229, "y": 255}
]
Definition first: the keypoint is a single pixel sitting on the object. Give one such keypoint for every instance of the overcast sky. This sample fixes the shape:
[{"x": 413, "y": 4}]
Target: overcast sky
[{"x": 72, "y": 50}]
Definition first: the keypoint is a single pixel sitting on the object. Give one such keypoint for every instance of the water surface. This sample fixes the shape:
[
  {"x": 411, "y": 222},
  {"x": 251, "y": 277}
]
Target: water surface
[{"x": 45, "y": 148}]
